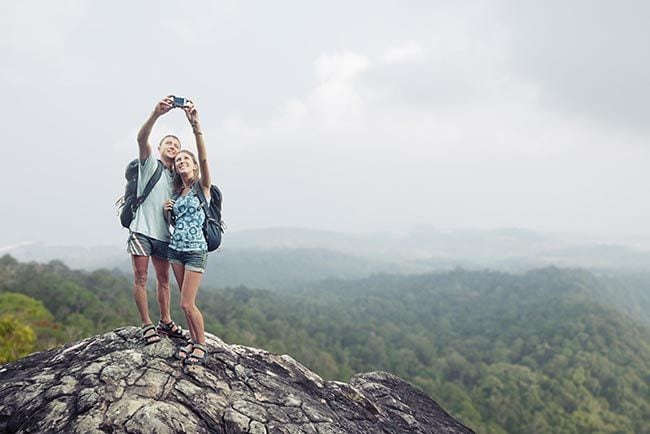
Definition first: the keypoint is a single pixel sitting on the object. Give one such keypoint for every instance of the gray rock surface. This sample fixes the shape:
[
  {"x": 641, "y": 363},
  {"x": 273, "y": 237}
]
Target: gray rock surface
[{"x": 112, "y": 383}]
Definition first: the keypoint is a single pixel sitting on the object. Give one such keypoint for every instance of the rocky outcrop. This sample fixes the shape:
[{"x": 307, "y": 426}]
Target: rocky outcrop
[{"x": 112, "y": 383}]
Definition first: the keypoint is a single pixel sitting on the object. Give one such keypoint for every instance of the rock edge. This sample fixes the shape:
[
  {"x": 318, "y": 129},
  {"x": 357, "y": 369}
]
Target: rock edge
[{"x": 112, "y": 383}]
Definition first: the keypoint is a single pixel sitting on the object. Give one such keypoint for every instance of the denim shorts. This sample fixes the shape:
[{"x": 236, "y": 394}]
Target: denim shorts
[{"x": 195, "y": 260}]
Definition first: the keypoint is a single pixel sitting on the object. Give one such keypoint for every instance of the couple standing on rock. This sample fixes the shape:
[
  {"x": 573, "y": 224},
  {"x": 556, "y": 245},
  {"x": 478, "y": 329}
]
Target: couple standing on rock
[{"x": 172, "y": 200}]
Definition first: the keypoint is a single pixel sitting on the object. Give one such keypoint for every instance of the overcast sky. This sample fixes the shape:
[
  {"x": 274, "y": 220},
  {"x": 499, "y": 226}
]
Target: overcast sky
[{"x": 343, "y": 115}]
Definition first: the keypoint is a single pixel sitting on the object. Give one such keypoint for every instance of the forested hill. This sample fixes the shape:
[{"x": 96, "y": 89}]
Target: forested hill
[{"x": 541, "y": 352}]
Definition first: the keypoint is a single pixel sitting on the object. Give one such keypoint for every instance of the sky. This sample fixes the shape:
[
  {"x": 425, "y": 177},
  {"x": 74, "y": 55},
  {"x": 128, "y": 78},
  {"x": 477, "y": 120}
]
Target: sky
[{"x": 348, "y": 116}]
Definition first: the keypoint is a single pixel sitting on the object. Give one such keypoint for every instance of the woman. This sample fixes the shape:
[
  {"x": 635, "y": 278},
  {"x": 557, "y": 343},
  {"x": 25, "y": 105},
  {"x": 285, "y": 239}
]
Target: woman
[{"x": 188, "y": 250}]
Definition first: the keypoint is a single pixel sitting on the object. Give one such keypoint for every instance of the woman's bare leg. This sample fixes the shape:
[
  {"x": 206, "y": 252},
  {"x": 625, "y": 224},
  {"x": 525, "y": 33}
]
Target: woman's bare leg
[
  {"x": 179, "y": 274},
  {"x": 191, "y": 282}
]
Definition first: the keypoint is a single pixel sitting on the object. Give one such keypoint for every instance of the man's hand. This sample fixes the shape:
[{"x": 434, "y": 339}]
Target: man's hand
[{"x": 165, "y": 105}]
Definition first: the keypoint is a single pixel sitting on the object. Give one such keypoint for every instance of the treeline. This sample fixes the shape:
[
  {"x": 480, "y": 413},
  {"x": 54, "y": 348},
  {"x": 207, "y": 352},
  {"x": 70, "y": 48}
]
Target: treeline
[
  {"x": 44, "y": 305},
  {"x": 534, "y": 353}
]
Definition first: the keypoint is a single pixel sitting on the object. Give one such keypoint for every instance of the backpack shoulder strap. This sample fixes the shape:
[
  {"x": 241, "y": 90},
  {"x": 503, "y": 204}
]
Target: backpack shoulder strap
[
  {"x": 152, "y": 182},
  {"x": 198, "y": 190}
]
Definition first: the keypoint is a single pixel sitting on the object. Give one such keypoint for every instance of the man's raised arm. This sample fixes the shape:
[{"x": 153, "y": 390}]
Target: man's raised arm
[{"x": 144, "y": 146}]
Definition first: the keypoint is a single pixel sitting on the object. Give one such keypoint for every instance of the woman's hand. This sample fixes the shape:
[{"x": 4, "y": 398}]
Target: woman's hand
[
  {"x": 192, "y": 116},
  {"x": 168, "y": 206}
]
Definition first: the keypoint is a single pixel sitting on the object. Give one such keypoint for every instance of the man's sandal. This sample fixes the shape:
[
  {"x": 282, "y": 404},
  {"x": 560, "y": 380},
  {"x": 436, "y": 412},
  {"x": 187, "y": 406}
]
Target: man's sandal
[
  {"x": 170, "y": 329},
  {"x": 183, "y": 351},
  {"x": 193, "y": 359},
  {"x": 149, "y": 335}
]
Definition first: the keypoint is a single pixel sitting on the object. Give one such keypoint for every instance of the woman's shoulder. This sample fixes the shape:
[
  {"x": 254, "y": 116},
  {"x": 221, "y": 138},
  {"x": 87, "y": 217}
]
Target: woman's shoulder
[{"x": 198, "y": 188}]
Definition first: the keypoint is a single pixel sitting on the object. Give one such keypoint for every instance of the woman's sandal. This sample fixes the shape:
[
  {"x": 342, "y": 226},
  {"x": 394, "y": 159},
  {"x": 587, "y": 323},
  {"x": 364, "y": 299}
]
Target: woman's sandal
[
  {"x": 170, "y": 329},
  {"x": 149, "y": 335},
  {"x": 193, "y": 359},
  {"x": 183, "y": 351}
]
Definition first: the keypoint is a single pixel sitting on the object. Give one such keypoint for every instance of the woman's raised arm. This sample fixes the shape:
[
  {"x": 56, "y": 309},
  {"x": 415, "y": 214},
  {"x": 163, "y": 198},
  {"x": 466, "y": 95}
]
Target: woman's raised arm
[{"x": 193, "y": 116}]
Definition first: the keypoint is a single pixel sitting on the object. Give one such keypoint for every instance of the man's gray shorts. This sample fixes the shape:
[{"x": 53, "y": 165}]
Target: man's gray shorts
[{"x": 142, "y": 245}]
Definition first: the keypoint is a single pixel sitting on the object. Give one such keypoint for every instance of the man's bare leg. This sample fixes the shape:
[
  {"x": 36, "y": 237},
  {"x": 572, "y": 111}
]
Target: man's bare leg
[
  {"x": 140, "y": 268},
  {"x": 162, "y": 277}
]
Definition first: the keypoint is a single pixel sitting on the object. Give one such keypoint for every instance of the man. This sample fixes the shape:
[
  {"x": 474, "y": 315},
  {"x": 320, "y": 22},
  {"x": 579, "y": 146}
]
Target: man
[{"x": 149, "y": 233}]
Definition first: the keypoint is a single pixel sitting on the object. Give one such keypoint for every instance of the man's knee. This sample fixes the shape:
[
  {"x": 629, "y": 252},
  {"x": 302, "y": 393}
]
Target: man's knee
[
  {"x": 163, "y": 279},
  {"x": 140, "y": 269},
  {"x": 161, "y": 265},
  {"x": 140, "y": 278}
]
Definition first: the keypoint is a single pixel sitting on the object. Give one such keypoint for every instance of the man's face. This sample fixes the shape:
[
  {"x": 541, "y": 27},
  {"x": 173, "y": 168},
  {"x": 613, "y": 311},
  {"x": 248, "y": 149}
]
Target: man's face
[{"x": 169, "y": 147}]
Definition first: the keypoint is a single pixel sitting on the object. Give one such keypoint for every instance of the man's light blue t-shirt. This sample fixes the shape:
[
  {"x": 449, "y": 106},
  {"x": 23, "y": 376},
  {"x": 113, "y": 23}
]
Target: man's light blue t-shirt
[{"x": 149, "y": 219}]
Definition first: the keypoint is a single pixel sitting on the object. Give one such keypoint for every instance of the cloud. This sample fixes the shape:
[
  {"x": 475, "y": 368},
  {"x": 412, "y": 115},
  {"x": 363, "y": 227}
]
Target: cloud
[
  {"x": 336, "y": 99},
  {"x": 340, "y": 66},
  {"x": 35, "y": 37},
  {"x": 405, "y": 53},
  {"x": 429, "y": 112},
  {"x": 588, "y": 58},
  {"x": 356, "y": 117},
  {"x": 196, "y": 25}
]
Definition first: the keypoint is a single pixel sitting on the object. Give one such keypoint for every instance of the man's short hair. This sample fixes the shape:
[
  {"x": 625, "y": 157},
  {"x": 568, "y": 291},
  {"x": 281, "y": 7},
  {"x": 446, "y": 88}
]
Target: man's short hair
[{"x": 172, "y": 136}]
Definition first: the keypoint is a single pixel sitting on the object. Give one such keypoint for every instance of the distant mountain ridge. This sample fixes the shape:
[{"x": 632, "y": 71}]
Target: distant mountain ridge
[{"x": 267, "y": 258}]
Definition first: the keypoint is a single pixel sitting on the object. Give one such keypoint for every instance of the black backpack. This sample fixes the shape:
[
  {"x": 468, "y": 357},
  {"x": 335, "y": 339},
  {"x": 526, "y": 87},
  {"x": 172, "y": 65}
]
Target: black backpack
[
  {"x": 128, "y": 204},
  {"x": 213, "y": 226}
]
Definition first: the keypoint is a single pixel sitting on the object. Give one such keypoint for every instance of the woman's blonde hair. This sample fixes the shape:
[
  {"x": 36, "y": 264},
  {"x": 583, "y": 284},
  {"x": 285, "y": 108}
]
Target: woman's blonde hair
[{"x": 177, "y": 183}]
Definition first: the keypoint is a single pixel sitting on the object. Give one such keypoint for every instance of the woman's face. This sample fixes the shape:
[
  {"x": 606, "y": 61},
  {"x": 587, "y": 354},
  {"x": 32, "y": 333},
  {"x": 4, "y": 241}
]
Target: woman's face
[{"x": 184, "y": 164}]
